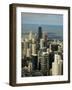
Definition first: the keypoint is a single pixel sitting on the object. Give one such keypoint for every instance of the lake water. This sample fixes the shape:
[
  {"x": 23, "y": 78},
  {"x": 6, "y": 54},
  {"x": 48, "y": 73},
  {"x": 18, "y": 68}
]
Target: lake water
[{"x": 54, "y": 31}]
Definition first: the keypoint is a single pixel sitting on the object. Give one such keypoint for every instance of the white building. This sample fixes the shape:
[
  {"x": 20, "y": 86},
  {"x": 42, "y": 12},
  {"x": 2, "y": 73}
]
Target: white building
[
  {"x": 33, "y": 49},
  {"x": 30, "y": 67},
  {"x": 30, "y": 35},
  {"x": 57, "y": 65},
  {"x": 28, "y": 54},
  {"x": 41, "y": 43}
]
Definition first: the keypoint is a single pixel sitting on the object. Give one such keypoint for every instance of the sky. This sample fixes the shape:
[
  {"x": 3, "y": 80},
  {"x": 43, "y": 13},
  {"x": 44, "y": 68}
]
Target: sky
[{"x": 45, "y": 19}]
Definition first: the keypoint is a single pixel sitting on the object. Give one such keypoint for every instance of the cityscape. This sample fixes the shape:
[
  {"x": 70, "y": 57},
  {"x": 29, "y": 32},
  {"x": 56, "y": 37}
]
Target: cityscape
[{"x": 40, "y": 55}]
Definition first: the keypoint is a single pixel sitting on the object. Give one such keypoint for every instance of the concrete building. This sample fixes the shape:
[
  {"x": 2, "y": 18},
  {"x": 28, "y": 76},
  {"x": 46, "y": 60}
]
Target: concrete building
[
  {"x": 45, "y": 64},
  {"x": 33, "y": 49},
  {"x": 33, "y": 40},
  {"x": 30, "y": 35},
  {"x": 57, "y": 65},
  {"x": 41, "y": 43},
  {"x": 26, "y": 44},
  {"x": 28, "y": 54},
  {"x": 50, "y": 48},
  {"x": 30, "y": 67}
]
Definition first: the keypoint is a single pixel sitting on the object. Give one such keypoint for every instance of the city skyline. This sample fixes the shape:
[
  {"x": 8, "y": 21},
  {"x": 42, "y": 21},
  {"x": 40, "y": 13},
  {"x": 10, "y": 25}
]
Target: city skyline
[
  {"x": 40, "y": 55},
  {"x": 42, "y": 44}
]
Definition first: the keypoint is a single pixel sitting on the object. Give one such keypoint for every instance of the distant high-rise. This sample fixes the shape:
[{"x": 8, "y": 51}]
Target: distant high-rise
[
  {"x": 41, "y": 43},
  {"x": 46, "y": 39},
  {"x": 33, "y": 49},
  {"x": 30, "y": 35},
  {"x": 39, "y": 33}
]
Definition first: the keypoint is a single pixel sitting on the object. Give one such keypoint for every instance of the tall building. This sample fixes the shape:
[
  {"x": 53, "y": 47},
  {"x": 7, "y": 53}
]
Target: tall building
[
  {"x": 39, "y": 33},
  {"x": 41, "y": 43},
  {"x": 28, "y": 54},
  {"x": 33, "y": 49},
  {"x": 34, "y": 61},
  {"x": 46, "y": 40},
  {"x": 30, "y": 67},
  {"x": 39, "y": 60},
  {"x": 26, "y": 45},
  {"x": 50, "y": 48},
  {"x": 57, "y": 65},
  {"x": 22, "y": 49},
  {"x": 30, "y": 35},
  {"x": 60, "y": 67},
  {"x": 45, "y": 64},
  {"x": 33, "y": 40}
]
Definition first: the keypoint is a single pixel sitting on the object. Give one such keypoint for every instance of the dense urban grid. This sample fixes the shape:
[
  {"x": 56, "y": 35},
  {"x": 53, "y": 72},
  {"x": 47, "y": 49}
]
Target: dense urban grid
[{"x": 41, "y": 56}]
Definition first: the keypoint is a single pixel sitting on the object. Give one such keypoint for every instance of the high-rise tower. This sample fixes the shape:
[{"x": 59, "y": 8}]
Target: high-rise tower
[{"x": 39, "y": 33}]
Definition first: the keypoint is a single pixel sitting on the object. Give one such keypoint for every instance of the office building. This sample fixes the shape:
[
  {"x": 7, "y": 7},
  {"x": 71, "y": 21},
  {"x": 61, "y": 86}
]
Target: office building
[
  {"x": 39, "y": 33},
  {"x": 30, "y": 35},
  {"x": 57, "y": 65},
  {"x": 30, "y": 67},
  {"x": 45, "y": 64},
  {"x": 33, "y": 49},
  {"x": 41, "y": 43},
  {"x": 34, "y": 61},
  {"x": 28, "y": 52}
]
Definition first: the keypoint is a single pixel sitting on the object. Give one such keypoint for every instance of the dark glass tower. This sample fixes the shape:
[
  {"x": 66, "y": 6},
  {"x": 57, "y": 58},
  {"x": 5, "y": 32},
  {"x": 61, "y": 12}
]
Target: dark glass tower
[
  {"x": 39, "y": 36},
  {"x": 39, "y": 33},
  {"x": 34, "y": 62}
]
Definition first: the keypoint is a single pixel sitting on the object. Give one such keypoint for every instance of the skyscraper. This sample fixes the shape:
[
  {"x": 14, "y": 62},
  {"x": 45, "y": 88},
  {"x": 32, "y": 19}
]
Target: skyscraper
[
  {"x": 30, "y": 35},
  {"x": 34, "y": 62},
  {"x": 57, "y": 65},
  {"x": 41, "y": 43},
  {"x": 39, "y": 33},
  {"x": 45, "y": 64},
  {"x": 33, "y": 49}
]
